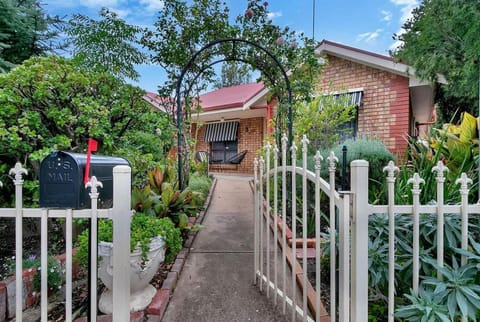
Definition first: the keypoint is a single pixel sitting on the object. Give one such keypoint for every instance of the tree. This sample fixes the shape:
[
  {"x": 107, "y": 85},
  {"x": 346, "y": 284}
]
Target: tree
[
  {"x": 106, "y": 45},
  {"x": 25, "y": 31},
  {"x": 51, "y": 104},
  {"x": 293, "y": 50},
  {"x": 182, "y": 29},
  {"x": 324, "y": 120},
  {"x": 442, "y": 36},
  {"x": 233, "y": 73}
]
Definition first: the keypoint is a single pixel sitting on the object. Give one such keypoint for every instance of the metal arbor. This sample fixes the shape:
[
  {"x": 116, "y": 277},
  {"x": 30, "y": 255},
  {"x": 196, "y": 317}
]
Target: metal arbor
[{"x": 227, "y": 56}]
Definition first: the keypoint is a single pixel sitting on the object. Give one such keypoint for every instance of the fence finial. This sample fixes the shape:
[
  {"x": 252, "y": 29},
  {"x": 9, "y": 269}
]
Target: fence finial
[
  {"x": 464, "y": 181},
  {"x": 318, "y": 157},
  {"x": 268, "y": 147},
  {"x": 275, "y": 152},
  {"x": 261, "y": 161},
  {"x": 391, "y": 168},
  {"x": 440, "y": 168},
  {"x": 262, "y": 166},
  {"x": 305, "y": 142},
  {"x": 294, "y": 149},
  {"x": 93, "y": 184},
  {"x": 18, "y": 171},
  {"x": 284, "y": 142},
  {"x": 416, "y": 181},
  {"x": 332, "y": 160}
]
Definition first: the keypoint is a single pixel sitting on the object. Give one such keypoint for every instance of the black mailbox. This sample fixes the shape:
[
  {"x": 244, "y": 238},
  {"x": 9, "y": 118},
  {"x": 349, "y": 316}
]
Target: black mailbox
[{"x": 61, "y": 180}]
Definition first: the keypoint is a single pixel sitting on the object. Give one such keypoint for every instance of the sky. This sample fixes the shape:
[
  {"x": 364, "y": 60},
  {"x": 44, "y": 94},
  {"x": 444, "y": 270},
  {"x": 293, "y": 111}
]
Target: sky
[{"x": 364, "y": 24}]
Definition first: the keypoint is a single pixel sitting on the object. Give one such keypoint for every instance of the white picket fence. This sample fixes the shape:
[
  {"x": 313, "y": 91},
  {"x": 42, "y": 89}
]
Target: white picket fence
[
  {"x": 120, "y": 213},
  {"x": 351, "y": 210}
]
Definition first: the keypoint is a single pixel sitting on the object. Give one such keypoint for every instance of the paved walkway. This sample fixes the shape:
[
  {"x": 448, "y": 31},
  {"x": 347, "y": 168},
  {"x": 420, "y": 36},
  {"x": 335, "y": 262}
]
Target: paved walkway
[{"x": 216, "y": 284}]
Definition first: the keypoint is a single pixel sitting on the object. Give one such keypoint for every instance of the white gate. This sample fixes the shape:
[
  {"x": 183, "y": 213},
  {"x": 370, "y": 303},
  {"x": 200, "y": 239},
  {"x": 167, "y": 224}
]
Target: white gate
[
  {"x": 271, "y": 214},
  {"x": 120, "y": 214},
  {"x": 348, "y": 216}
]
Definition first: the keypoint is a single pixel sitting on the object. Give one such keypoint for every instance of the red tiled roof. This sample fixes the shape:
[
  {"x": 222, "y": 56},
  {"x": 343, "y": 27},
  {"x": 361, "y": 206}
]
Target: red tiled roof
[
  {"x": 224, "y": 98},
  {"x": 230, "y": 97}
]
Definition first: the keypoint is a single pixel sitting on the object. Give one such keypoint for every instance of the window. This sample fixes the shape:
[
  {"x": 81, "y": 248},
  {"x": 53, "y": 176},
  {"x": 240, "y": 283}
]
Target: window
[
  {"x": 223, "y": 151},
  {"x": 223, "y": 140},
  {"x": 351, "y": 98}
]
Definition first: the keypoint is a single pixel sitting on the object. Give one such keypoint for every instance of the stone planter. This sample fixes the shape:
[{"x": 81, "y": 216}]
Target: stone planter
[{"x": 141, "y": 292}]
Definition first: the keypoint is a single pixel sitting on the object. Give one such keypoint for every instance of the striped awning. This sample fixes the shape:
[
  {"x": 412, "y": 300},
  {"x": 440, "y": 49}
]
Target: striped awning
[
  {"x": 354, "y": 98},
  {"x": 220, "y": 132}
]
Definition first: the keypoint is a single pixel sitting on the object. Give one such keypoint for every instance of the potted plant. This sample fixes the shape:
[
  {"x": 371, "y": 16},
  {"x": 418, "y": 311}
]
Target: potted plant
[{"x": 150, "y": 238}]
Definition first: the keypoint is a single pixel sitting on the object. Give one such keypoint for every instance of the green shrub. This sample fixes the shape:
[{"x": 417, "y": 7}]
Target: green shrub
[
  {"x": 456, "y": 146},
  {"x": 372, "y": 150},
  {"x": 48, "y": 103},
  {"x": 199, "y": 168},
  {"x": 143, "y": 228},
  {"x": 200, "y": 183}
]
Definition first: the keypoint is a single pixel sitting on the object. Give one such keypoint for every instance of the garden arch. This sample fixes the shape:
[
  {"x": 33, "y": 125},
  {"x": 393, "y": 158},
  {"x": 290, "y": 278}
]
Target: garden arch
[{"x": 232, "y": 56}]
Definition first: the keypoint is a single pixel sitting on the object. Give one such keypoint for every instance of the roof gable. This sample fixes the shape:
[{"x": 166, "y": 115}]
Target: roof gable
[{"x": 373, "y": 60}]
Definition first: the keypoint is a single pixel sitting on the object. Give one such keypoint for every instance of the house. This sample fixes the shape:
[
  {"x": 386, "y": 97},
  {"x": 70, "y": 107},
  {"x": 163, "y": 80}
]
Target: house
[
  {"x": 391, "y": 102},
  {"x": 232, "y": 126},
  {"x": 234, "y": 120}
]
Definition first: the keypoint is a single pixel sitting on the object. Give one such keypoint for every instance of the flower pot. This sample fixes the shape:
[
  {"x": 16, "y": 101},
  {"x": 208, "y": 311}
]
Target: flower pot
[{"x": 141, "y": 292}]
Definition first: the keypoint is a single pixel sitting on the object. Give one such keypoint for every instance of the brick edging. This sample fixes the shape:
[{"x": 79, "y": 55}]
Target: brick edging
[{"x": 160, "y": 301}]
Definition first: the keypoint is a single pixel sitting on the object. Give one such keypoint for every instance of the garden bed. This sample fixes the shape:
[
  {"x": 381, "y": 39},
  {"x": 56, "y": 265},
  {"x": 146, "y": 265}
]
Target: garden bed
[{"x": 164, "y": 281}]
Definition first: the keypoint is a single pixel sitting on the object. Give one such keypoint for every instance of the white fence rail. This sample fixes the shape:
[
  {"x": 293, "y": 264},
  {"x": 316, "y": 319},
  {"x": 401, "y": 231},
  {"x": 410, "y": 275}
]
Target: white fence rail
[
  {"x": 348, "y": 215},
  {"x": 120, "y": 214}
]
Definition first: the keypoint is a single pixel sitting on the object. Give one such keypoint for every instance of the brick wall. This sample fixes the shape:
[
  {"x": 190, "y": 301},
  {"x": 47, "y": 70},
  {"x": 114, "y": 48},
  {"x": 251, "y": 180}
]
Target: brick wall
[
  {"x": 250, "y": 137},
  {"x": 386, "y": 105}
]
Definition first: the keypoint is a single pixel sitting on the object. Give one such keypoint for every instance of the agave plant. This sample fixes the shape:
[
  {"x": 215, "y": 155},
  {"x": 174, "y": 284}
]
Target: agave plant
[
  {"x": 423, "y": 307},
  {"x": 457, "y": 290}
]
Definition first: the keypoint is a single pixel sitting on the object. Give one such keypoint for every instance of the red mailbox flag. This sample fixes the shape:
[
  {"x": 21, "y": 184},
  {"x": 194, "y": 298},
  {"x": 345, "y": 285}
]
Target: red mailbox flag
[{"x": 92, "y": 147}]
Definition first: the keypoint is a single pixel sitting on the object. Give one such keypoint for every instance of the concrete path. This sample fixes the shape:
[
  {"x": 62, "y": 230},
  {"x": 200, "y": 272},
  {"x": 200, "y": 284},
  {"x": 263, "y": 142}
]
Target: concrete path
[{"x": 216, "y": 284}]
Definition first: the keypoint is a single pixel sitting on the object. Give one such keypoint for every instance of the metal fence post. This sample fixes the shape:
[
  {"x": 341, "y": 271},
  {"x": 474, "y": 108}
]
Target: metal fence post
[
  {"x": 359, "y": 187},
  {"x": 255, "y": 221},
  {"x": 18, "y": 171},
  {"x": 93, "y": 184},
  {"x": 332, "y": 167},
  {"x": 344, "y": 168},
  {"x": 121, "y": 241}
]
